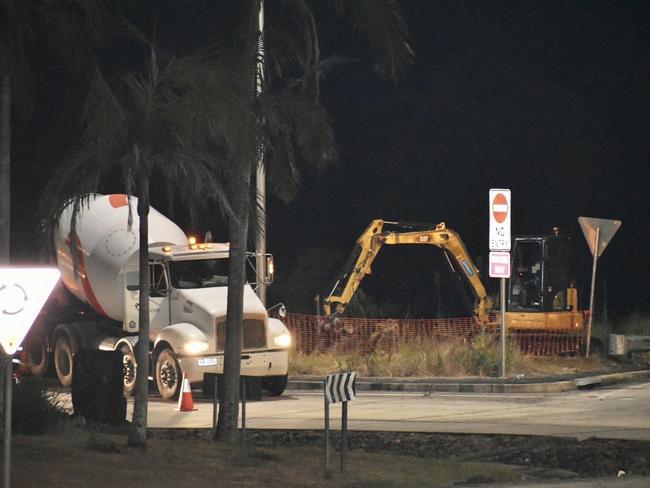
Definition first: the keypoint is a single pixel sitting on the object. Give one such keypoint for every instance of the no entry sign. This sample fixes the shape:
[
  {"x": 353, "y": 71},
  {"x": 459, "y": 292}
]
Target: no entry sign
[{"x": 499, "y": 211}]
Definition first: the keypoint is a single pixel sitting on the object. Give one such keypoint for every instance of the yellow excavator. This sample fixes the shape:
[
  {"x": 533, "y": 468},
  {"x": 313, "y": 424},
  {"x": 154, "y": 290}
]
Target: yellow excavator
[{"x": 541, "y": 293}]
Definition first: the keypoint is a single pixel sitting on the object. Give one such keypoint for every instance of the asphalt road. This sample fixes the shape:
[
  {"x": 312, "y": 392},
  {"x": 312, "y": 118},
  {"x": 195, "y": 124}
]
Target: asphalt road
[{"x": 617, "y": 412}]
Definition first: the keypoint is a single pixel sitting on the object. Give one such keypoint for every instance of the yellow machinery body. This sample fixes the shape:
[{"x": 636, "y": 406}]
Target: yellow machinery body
[{"x": 541, "y": 296}]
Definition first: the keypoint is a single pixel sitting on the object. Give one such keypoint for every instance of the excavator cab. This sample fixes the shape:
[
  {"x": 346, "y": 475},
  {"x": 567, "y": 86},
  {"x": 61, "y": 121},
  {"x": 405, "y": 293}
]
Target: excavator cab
[{"x": 542, "y": 275}]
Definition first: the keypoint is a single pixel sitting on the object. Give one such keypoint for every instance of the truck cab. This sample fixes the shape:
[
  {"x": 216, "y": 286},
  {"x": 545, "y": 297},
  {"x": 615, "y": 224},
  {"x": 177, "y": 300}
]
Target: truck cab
[{"x": 188, "y": 304}]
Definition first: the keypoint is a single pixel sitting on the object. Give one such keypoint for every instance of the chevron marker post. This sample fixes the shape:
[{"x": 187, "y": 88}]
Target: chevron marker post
[{"x": 339, "y": 387}]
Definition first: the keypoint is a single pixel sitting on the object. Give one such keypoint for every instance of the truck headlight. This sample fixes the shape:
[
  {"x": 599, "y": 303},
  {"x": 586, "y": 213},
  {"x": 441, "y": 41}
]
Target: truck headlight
[
  {"x": 196, "y": 347},
  {"x": 283, "y": 340}
]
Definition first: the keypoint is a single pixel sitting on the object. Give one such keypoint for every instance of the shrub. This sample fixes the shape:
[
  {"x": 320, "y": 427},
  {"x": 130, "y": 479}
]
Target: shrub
[
  {"x": 426, "y": 357},
  {"x": 351, "y": 362},
  {"x": 313, "y": 364},
  {"x": 379, "y": 364},
  {"x": 420, "y": 358},
  {"x": 482, "y": 357}
]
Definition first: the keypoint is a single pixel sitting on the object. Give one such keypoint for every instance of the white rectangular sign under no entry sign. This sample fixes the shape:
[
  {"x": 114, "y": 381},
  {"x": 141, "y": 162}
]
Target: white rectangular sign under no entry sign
[
  {"x": 500, "y": 211},
  {"x": 499, "y": 264}
]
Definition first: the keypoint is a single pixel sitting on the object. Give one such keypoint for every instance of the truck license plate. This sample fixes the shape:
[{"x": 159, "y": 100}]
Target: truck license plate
[{"x": 208, "y": 361}]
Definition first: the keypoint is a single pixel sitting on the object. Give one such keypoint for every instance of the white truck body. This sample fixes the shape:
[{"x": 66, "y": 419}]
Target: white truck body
[{"x": 187, "y": 304}]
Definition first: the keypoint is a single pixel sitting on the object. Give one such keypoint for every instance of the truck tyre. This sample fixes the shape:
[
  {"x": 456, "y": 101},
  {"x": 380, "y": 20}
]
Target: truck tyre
[
  {"x": 275, "y": 385},
  {"x": 168, "y": 374},
  {"x": 129, "y": 369},
  {"x": 37, "y": 354},
  {"x": 63, "y": 357}
]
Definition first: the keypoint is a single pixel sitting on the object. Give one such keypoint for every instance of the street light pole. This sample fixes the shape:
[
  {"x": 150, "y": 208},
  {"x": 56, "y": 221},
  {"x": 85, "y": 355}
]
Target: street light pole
[{"x": 260, "y": 248}]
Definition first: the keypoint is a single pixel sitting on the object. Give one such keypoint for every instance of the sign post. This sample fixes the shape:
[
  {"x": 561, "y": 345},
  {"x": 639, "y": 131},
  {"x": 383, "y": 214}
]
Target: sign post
[
  {"x": 23, "y": 292},
  {"x": 500, "y": 238},
  {"x": 598, "y": 233},
  {"x": 338, "y": 388}
]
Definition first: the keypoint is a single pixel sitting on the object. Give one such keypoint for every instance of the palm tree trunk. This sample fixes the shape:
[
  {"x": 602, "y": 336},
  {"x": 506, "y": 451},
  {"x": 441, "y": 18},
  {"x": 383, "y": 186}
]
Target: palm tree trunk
[
  {"x": 239, "y": 192},
  {"x": 5, "y": 165},
  {"x": 138, "y": 433},
  {"x": 238, "y": 235}
]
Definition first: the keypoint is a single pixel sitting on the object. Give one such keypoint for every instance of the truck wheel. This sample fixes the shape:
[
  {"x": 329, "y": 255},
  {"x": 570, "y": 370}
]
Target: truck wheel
[
  {"x": 36, "y": 349},
  {"x": 168, "y": 374},
  {"x": 63, "y": 357},
  {"x": 275, "y": 385},
  {"x": 130, "y": 369}
]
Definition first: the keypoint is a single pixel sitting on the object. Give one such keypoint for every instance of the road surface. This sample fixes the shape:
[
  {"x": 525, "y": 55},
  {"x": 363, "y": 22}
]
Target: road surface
[{"x": 617, "y": 412}]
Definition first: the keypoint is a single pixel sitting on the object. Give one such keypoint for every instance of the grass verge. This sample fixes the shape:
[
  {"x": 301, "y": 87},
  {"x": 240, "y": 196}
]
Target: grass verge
[
  {"x": 450, "y": 358},
  {"x": 75, "y": 459}
]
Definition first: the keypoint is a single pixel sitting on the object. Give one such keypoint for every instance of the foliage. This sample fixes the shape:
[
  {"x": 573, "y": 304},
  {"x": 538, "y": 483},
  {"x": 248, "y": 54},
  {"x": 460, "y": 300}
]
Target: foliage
[
  {"x": 310, "y": 364},
  {"x": 481, "y": 357},
  {"x": 294, "y": 128},
  {"x": 422, "y": 358}
]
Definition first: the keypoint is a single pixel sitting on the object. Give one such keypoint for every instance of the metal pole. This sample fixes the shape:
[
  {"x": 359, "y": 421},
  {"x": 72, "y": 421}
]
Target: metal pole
[
  {"x": 502, "y": 366},
  {"x": 260, "y": 251},
  {"x": 592, "y": 293},
  {"x": 327, "y": 434},
  {"x": 344, "y": 436},
  {"x": 215, "y": 402},
  {"x": 8, "y": 401},
  {"x": 317, "y": 302}
]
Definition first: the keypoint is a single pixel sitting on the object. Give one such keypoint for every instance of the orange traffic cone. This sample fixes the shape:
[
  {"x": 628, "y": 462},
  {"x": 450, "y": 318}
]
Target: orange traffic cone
[{"x": 185, "y": 401}]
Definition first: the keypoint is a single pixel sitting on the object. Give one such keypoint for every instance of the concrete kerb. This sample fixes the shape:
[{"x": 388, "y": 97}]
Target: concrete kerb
[{"x": 474, "y": 385}]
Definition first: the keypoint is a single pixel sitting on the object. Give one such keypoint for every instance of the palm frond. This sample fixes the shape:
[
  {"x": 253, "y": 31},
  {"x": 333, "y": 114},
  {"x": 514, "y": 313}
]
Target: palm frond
[
  {"x": 294, "y": 123},
  {"x": 103, "y": 117},
  {"x": 381, "y": 22}
]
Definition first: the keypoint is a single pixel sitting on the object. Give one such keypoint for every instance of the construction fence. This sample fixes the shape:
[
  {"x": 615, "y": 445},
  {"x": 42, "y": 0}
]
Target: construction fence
[{"x": 364, "y": 336}]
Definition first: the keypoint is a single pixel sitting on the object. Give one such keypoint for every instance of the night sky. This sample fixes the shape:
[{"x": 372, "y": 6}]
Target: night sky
[{"x": 549, "y": 99}]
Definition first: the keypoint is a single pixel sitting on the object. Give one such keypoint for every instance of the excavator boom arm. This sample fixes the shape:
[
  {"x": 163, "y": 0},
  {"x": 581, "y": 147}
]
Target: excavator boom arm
[{"x": 374, "y": 237}]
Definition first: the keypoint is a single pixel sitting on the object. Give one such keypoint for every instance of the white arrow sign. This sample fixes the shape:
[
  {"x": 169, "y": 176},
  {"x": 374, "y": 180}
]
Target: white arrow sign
[{"x": 23, "y": 292}]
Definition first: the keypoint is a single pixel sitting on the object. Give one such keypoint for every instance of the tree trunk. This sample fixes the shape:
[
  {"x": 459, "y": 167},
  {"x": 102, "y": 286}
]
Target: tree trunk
[
  {"x": 238, "y": 235},
  {"x": 5, "y": 165},
  {"x": 138, "y": 434},
  {"x": 239, "y": 193}
]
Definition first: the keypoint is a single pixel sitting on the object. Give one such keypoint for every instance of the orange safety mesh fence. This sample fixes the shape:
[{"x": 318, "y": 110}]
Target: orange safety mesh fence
[{"x": 348, "y": 334}]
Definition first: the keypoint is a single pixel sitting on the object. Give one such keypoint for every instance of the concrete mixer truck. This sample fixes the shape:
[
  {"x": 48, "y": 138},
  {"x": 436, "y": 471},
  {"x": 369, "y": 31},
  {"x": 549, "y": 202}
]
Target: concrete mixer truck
[{"x": 188, "y": 294}]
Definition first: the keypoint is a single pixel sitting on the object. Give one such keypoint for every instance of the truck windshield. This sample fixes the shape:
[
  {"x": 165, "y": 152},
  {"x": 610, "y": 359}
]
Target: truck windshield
[{"x": 202, "y": 273}]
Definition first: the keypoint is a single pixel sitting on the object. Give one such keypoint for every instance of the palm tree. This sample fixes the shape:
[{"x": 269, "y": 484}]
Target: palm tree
[
  {"x": 295, "y": 128},
  {"x": 23, "y": 27},
  {"x": 155, "y": 124}
]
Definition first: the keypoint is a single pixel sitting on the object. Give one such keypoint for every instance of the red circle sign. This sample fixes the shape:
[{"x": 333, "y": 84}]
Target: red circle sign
[{"x": 500, "y": 208}]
